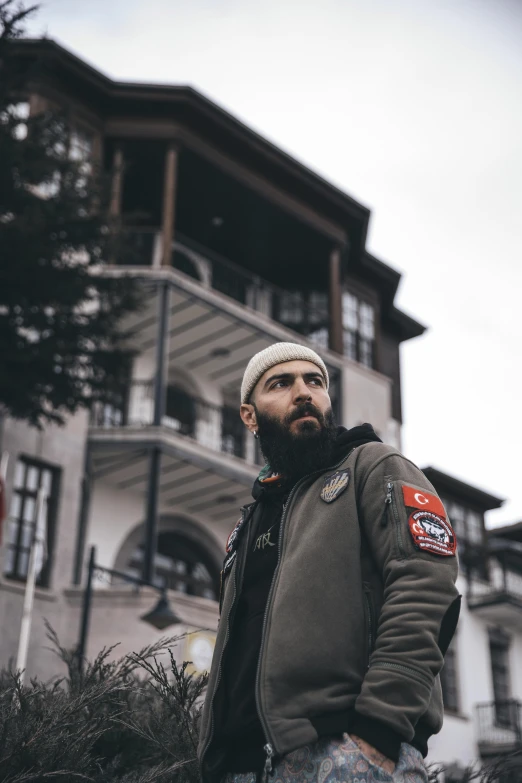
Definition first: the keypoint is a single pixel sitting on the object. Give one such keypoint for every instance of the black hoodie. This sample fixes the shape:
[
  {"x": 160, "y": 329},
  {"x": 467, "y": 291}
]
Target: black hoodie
[{"x": 241, "y": 732}]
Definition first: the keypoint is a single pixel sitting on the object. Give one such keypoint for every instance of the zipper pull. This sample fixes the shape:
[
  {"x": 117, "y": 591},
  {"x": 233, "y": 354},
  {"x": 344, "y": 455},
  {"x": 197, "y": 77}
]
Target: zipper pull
[
  {"x": 387, "y": 502},
  {"x": 268, "y": 763}
]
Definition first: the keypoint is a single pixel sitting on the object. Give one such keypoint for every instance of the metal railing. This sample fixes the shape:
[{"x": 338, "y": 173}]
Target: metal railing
[
  {"x": 503, "y": 580},
  {"x": 499, "y": 724},
  {"x": 216, "y": 427},
  {"x": 305, "y": 312}
]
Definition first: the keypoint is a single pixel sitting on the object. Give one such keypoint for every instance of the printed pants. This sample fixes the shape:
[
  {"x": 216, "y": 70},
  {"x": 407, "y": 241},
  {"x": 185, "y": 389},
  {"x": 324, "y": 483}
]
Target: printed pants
[{"x": 338, "y": 760}]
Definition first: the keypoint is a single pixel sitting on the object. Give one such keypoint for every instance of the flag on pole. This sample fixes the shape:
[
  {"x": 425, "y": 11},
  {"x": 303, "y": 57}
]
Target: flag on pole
[{"x": 3, "y": 500}]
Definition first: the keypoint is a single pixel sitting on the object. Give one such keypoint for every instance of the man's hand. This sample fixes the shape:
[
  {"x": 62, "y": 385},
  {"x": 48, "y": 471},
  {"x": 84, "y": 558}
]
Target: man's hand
[{"x": 373, "y": 754}]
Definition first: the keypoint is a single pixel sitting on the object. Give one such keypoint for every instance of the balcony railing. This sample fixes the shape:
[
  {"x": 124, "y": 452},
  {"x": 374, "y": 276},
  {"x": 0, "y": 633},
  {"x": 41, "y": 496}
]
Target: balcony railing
[
  {"x": 306, "y": 312},
  {"x": 216, "y": 427},
  {"x": 499, "y": 726}
]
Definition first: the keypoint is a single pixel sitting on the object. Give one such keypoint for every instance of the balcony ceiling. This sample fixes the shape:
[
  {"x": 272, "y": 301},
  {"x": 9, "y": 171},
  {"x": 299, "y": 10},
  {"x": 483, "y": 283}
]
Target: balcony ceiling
[
  {"x": 210, "y": 336},
  {"x": 498, "y": 608},
  {"x": 203, "y": 484}
]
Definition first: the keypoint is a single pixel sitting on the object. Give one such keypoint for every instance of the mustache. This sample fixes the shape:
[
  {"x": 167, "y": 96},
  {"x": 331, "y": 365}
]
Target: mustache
[{"x": 304, "y": 409}]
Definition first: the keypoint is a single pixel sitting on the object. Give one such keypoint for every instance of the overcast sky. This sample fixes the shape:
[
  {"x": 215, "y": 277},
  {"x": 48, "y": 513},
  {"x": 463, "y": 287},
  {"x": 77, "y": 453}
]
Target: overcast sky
[{"x": 414, "y": 109}]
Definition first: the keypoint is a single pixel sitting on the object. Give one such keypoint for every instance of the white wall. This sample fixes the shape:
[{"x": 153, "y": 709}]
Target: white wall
[
  {"x": 114, "y": 514},
  {"x": 366, "y": 398},
  {"x": 457, "y": 741}
]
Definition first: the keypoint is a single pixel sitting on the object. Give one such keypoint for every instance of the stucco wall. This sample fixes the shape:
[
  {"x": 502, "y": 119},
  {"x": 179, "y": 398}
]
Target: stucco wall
[{"x": 366, "y": 398}]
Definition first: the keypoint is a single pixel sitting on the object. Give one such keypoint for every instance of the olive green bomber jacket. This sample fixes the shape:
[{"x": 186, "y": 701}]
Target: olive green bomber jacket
[{"x": 360, "y": 613}]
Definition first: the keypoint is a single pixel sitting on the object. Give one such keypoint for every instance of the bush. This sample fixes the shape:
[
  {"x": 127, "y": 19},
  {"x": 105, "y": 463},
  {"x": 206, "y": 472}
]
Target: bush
[{"x": 133, "y": 720}]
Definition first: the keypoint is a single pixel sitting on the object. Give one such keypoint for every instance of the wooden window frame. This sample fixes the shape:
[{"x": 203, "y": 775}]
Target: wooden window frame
[{"x": 44, "y": 577}]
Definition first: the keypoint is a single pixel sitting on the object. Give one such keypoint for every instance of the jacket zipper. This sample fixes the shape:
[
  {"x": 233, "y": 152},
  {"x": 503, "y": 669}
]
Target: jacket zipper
[
  {"x": 227, "y": 635},
  {"x": 390, "y": 502},
  {"x": 269, "y": 746}
]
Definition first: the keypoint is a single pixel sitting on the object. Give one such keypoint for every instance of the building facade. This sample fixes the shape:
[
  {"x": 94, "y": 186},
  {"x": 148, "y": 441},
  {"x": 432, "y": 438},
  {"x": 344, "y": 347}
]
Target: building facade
[{"x": 236, "y": 246}]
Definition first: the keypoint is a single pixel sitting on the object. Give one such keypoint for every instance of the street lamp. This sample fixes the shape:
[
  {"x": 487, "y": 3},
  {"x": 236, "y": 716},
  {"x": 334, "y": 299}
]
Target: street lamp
[{"x": 161, "y": 616}]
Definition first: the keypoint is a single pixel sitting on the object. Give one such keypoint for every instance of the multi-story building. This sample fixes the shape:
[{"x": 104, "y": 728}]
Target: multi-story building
[
  {"x": 482, "y": 674},
  {"x": 237, "y": 246}
]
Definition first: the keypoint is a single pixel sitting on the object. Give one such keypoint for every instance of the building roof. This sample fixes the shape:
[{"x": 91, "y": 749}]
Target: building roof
[
  {"x": 512, "y": 532},
  {"x": 200, "y": 115},
  {"x": 460, "y": 490}
]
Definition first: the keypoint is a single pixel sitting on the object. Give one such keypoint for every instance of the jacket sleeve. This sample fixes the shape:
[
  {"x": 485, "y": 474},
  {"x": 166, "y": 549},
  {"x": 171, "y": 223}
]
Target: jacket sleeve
[{"x": 420, "y": 606}]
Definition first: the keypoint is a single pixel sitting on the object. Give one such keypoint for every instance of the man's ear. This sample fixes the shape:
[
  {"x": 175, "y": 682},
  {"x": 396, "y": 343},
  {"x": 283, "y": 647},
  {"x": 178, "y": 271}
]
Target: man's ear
[{"x": 248, "y": 416}]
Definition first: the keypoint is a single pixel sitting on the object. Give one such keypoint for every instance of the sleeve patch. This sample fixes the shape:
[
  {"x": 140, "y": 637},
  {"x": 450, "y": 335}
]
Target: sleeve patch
[
  {"x": 427, "y": 501},
  {"x": 432, "y": 533}
]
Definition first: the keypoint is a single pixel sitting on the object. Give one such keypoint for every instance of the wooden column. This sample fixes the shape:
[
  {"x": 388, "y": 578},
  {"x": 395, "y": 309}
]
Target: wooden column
[
  {"x": 169, "y": 202},
  {"x": 336, "y": 304},
  {"x": 117, "y": 181}
]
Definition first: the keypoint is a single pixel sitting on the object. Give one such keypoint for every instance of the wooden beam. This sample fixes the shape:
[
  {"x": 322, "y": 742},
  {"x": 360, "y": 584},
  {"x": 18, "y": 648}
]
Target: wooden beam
[
  {"x": 117, "y": 182},
  {"x": 336, "y": 302},
  {"x": 169, "y": 202}
]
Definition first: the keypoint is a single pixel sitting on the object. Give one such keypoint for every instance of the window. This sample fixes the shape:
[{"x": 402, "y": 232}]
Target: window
[
  {"x": 306, "y": 312},
  {"x": 499, "y": 652},
  {"x": 449, "y": 679},
  {"x": 30, "y": 476},
  {"x": 467, "y": 524},
  {"x": 358, "y": 330},
  {"x": 180, "y": 564}
]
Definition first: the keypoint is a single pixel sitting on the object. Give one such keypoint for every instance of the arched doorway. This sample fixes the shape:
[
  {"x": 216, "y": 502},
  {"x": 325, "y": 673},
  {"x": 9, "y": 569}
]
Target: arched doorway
[
  {"x": 182, "y": 565},
  {"x": 188, "y": 557}
]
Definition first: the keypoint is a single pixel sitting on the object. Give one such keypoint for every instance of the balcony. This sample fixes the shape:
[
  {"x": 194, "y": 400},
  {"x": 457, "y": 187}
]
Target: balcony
[
  {"x": 304, "y": 311},
  {"x": 499, "y": 726},
  {"x": 499, "y": 600},
  {"x": 218, "y": 428}
]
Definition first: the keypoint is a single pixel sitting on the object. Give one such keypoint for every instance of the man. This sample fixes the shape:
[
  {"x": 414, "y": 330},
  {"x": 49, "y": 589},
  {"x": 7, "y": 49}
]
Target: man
[{"x": 338, "y": 601}]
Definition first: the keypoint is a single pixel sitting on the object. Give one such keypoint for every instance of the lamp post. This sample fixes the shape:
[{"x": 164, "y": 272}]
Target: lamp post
[{"x": 161, "y": 616}]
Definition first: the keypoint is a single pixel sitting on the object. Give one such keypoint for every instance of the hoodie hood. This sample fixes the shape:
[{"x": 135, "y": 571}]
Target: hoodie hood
[{"x": 345, "y": 441}]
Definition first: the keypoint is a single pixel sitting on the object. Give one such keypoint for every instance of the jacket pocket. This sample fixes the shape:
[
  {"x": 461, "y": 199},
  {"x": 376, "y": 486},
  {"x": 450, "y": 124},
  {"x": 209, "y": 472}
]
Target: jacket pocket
[{"x": 391, "y": 515}]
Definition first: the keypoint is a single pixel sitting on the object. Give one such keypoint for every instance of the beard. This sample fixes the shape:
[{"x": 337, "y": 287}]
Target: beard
[{"x": 296, "y": 454}]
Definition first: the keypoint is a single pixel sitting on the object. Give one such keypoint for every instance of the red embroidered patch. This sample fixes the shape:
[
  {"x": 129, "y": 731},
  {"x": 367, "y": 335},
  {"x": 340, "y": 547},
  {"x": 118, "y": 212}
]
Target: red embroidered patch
[
  {"x": 432, "y": 533},
  {"x": 416, "y": 498}
]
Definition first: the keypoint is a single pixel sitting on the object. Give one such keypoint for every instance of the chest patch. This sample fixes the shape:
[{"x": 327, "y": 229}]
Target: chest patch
[
  {"x": 432, "y": 533},
  {"x": 335, "y": 485}
]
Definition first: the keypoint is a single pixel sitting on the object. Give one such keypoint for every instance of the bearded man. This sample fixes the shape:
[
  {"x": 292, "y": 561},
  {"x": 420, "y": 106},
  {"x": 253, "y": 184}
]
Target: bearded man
[{"x": 337, "y": 603}]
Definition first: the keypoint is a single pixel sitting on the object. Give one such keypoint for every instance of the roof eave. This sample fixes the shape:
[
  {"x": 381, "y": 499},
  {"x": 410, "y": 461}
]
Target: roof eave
[{"x": 460, "y": 489}]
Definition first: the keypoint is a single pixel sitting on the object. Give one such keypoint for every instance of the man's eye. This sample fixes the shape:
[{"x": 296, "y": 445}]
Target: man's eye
[
  {"x": 317, "y": 381},
  {"x": 278, "y": 383}
]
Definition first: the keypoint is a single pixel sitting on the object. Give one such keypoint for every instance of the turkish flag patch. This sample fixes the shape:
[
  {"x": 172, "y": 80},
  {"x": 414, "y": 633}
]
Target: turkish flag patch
[
  {"x": 432, "y": 533},
  {"x": 419, "y": 498}
]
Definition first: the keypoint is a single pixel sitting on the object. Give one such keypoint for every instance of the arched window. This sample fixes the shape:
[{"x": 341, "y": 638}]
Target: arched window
[
  {"x": 182, "y": 565},
  {"x": 181, "y": 409}
]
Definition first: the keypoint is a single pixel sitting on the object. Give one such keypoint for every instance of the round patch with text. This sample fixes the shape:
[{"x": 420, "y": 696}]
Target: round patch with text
[{"x": 432, "y": 533}]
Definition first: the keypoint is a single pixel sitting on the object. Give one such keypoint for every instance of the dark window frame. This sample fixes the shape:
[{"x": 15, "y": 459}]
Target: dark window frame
[
  {"x": 22, "y": 491},
  {"x": 499, "y": 652},
  {"x": 363, "y": 299},
  {"x": 450, "y": 680},
  {"x": 472, "y": 552}
]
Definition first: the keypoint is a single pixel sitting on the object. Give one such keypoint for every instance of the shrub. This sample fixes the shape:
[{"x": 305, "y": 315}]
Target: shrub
[{"x": 133, "y": 720}]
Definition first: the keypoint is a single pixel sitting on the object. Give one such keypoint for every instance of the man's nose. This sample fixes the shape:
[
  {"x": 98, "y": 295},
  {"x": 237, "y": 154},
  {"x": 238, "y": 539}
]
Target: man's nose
[{"x": 301, "y": 391}]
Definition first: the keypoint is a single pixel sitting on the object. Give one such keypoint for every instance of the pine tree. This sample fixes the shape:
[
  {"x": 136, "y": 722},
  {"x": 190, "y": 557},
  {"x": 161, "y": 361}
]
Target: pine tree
[{"x": 62, "y": 347}]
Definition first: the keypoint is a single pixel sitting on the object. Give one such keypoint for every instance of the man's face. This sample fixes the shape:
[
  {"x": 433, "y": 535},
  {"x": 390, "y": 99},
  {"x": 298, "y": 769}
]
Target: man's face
[
  {"x": 291, "y": 411},
  {"x": 292, "y": 393}
]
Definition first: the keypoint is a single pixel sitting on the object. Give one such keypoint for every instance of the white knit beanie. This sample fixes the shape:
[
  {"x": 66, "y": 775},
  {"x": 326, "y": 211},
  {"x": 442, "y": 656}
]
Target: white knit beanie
[{"x": 275, "y": 354}]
